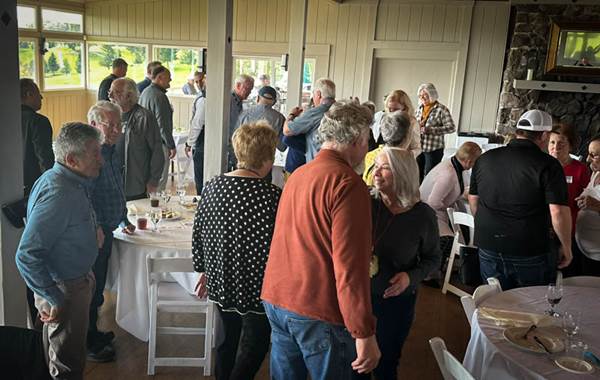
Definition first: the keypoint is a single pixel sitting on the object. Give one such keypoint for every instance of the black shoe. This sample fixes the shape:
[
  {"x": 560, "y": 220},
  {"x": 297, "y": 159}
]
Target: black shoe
[
  {"x": 99, "y": 339},
  {"x": 432, "y": 283},
  {"x": 103, "y": 355}
]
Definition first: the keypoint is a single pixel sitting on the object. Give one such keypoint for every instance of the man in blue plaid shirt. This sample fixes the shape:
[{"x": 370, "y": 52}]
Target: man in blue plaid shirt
[
  {"x": 108, "y": 199},
  {"x": 435, "y": 121}
]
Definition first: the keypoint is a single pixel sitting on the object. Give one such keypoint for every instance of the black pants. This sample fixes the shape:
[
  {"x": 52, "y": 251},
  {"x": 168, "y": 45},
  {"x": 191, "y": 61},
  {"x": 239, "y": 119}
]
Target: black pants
[
  {"x": 198, "y": 157},
  {"x": 22, "y": 354},
  {"x": 427, "y": 160},
  {"x": 100, "y": 270},
  {"x": 246, "y": 344},
  {"x": 395, "y": 316}
]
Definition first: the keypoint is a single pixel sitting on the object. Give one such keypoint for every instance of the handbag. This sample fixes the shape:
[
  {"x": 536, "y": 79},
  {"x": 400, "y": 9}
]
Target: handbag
[{"x": 469, "y": 271}]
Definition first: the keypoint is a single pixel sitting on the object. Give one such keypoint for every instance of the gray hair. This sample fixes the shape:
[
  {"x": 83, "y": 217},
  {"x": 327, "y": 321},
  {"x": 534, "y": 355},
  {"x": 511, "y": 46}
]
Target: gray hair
[
  {"x": 430, "y": 89},
  {"x": 395, "y": 127},
  {"x": 98, "y": 110},
  {"x": 130, "y": 88},
  {"x": 345, "y": 122},
  {"x": 73, "y": 138},
  {"x": 243, "y": 78},
  {"x": 326, "y": 87},
  {"x": 405, "y": 174}
]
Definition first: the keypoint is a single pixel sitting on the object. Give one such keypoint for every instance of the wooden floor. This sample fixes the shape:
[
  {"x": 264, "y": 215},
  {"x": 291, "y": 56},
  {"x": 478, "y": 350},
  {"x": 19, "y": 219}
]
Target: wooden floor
[{"x": 437, "y": 315}]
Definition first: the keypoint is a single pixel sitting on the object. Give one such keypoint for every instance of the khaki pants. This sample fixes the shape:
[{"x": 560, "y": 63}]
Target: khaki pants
[{"x": 65, "y": 340}]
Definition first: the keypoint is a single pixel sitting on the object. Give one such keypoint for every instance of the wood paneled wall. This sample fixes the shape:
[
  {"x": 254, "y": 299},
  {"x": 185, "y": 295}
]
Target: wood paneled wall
[
  {"x": 483, "y": 79},
  {"x": 65, "y": 106}
]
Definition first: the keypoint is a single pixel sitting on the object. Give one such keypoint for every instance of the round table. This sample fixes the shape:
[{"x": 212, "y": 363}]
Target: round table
[
  {"x": 490, "y": 356},
  {"x": 128, "y": 271}
]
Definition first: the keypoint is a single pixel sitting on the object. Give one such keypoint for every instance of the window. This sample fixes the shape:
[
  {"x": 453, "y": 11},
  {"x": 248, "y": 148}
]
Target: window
[
  {"x": 26, "y": 17},
  {"x": 27, "y": 59},
  {"x": 182, "y": 62},
  {"x": 101, "y": 55},
  {"x": 256, "y": 66},
  {"x": 60, "y": 21},
  {"x": 62, "y": 64}
]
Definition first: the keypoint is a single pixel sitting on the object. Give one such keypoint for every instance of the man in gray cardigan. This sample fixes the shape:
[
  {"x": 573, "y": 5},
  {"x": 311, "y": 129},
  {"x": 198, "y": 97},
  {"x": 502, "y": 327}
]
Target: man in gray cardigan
[
  {"x": 154, "y": 99},
  {"x": 140, "y": 144}
]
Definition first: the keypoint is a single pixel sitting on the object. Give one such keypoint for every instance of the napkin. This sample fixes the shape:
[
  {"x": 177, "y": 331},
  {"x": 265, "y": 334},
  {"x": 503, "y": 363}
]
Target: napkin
[{"x": 515, "y": 318}]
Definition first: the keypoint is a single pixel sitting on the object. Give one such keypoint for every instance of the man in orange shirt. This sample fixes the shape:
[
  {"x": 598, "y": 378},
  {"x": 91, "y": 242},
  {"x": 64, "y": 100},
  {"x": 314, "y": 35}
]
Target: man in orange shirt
[{"x": 316, "y": 286}]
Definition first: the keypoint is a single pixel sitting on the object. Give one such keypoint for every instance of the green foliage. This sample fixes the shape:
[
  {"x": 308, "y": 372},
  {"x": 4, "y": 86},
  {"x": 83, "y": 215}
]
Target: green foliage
[
  {"x": 108, "y": 54},
  {"x": 186, "y": 56},
  {"x": 66, "y": 67},
  {"x": 78, "y": 64},
  {"x": 138, "y": 53},
  {"x": 52, "y": 64},
  {"x": 166, "y": 55}
]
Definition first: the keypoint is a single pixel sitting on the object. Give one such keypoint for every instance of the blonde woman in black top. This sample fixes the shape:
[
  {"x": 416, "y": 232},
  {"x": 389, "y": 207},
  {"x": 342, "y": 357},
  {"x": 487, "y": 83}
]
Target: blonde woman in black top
[{"x": 230, "y": 245}]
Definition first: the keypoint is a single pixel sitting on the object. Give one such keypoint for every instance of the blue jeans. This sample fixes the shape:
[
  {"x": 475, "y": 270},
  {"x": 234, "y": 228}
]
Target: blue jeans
[
  {"x": 301, "y": 346},
  {"x": 100, "y": 270},
  {"x": 517, "y": 271}
]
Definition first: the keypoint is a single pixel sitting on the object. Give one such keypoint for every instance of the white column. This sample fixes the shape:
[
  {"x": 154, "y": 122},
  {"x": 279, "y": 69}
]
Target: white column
[
  {"x": 218, "y": 85},
  {"x": 297, "y": 39},
  {"x": 13, "y": 304}
]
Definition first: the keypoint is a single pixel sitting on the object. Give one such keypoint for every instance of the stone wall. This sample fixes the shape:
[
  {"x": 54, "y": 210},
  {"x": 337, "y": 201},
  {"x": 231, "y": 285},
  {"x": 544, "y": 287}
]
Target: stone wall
[{"x": 527, "y": 48}]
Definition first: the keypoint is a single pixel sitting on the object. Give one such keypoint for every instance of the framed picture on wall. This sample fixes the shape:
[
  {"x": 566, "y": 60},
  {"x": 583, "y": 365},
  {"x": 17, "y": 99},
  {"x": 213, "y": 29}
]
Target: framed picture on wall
[{"x": 574, "y": 49}]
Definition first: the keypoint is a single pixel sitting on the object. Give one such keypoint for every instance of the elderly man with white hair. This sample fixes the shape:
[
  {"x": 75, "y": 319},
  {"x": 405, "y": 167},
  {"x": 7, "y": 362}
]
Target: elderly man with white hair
[
  {"x": 241, "y": 90},
  {"x": 108, "y": 200},
  {"x": 141, "y": 144},
  {"x": 316, "y": 288},
  {"x": 307, "y": 123},
  {"x": 435, "y": 121}
]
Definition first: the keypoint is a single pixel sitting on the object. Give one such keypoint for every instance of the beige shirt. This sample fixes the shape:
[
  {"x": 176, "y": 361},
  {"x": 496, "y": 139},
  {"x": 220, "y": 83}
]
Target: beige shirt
[{"x": 587, "y": 230}]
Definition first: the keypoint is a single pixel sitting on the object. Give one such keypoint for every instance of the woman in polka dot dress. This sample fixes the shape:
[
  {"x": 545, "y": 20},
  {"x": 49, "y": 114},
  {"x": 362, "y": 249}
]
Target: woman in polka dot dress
[{"x": 230, "y": 245}]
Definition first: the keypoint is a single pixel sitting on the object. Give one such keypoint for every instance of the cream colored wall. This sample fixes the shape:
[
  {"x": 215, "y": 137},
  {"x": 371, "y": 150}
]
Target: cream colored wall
[
  {"x": 347, "y": 40},
  {"x": 64, "y": 106}
]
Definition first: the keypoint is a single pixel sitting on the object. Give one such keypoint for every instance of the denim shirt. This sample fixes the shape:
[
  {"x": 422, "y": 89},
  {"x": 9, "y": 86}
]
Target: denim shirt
[
  {"x": 59, "y": 240},
  {"x": 108, "y": 196},
  {"x": 308, "y": 124}
]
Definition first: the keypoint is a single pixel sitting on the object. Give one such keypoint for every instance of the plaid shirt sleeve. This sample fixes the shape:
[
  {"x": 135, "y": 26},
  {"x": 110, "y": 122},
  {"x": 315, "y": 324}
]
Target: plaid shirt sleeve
[{"x": 437, "y": 125}]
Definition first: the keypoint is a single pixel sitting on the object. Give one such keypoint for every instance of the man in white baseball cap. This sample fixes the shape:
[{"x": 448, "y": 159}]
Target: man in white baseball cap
[{"x": 517, "y": 193}]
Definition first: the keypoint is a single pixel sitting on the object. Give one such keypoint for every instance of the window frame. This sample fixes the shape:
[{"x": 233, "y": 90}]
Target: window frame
[
  {"x": 198, "y": 49},
  {"x": 35, "y": 17},
  {"x": 88, "y": 84},
  {"x": 83, "y": 85},
  {"x": 51, "y": 8}
]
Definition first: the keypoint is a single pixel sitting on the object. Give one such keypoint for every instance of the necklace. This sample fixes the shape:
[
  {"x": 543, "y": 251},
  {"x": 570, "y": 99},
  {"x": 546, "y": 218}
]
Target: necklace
[{"x": 251, "y": 171}]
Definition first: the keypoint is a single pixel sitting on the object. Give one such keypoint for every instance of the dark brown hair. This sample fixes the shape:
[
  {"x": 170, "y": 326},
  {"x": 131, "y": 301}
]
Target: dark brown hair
[{"x": 569, "y": 132}]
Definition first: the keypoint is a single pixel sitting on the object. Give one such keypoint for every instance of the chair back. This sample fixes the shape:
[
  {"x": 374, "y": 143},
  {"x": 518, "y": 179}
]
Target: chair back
[
  {"x": 483, "y": 292},
  {"x": 584, "y": 281},
  {"x": 158, "y": 265},
  {"x": 458, "y": 219},
  {"x": 450, "y": 367}
]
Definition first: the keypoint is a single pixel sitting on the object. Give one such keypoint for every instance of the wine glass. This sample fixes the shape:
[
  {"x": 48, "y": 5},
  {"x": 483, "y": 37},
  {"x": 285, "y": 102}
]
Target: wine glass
[
  {"x": 166, "y": 196},
  {"x": 570, "y": 325},
  {"x": 181, "y": 191},
  {"x": 155, "y": 218},
  {"x": 554, "y": 294}
]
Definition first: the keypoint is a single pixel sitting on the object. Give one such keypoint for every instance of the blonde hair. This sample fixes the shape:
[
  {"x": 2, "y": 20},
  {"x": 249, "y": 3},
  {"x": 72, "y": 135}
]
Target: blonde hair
[
  {"x": 254, "y": 144},
  {"x": 405, "y": 174},
  {"x": 468, "y": 151},
  {"x": 402, "y": 98}
]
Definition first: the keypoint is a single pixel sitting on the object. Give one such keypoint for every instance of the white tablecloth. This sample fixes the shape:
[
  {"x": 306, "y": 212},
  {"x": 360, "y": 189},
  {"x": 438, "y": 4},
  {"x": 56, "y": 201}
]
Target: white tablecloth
[
  {"x": 490, "y": 356},
  {"x": 128, "y": 272}
]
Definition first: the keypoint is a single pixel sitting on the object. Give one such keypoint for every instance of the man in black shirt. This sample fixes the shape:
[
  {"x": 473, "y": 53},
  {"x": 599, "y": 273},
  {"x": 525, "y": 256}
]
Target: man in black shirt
[
  {"x": 37, "y": 135},
  {"x": 119, "y": 70},
  {"x": 517, "y": 193}
]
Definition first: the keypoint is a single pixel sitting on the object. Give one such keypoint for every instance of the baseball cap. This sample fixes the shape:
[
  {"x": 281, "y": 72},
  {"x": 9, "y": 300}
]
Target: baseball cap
[
  {"x": 268, "y": 92},
  {"x": 535, "y": 120}
]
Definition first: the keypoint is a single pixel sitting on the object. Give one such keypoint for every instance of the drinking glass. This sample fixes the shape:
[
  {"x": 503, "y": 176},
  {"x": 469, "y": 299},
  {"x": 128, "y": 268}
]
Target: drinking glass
[
  {"x": 181, "y": 191},
  {"x": 570, "y": 325},
  {"x": 166, "y": 196},
  {"x": 154, "y": 199},
  {"x": 155, "y": 218},
  {"x": 554, "y": 294}
]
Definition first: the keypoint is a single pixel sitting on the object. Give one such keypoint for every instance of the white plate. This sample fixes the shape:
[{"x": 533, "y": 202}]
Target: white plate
[
  {"x": 515, "y": 336},
  {"x": 574, "y": 365},
  {"x": 174, "y": 215}
]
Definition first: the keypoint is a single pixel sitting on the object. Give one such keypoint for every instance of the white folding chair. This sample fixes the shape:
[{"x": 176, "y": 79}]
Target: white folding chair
[
  {"x": 480, "y": 294},
  {"x": 456, "y": 220},
  {"x": 171, "y": 297},
  {"x": 585, "y": 281},
  {"x": 450, "y": 367}
]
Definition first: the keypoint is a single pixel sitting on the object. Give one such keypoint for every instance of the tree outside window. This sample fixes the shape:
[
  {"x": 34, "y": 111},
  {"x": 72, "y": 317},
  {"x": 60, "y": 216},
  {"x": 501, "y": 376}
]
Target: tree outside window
[
  {"x": 27, "y": 59},
  {"x": 101, "y": 56},
  {"x": 62, "y": 65},
  {"x": 182, "y": 62}
]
